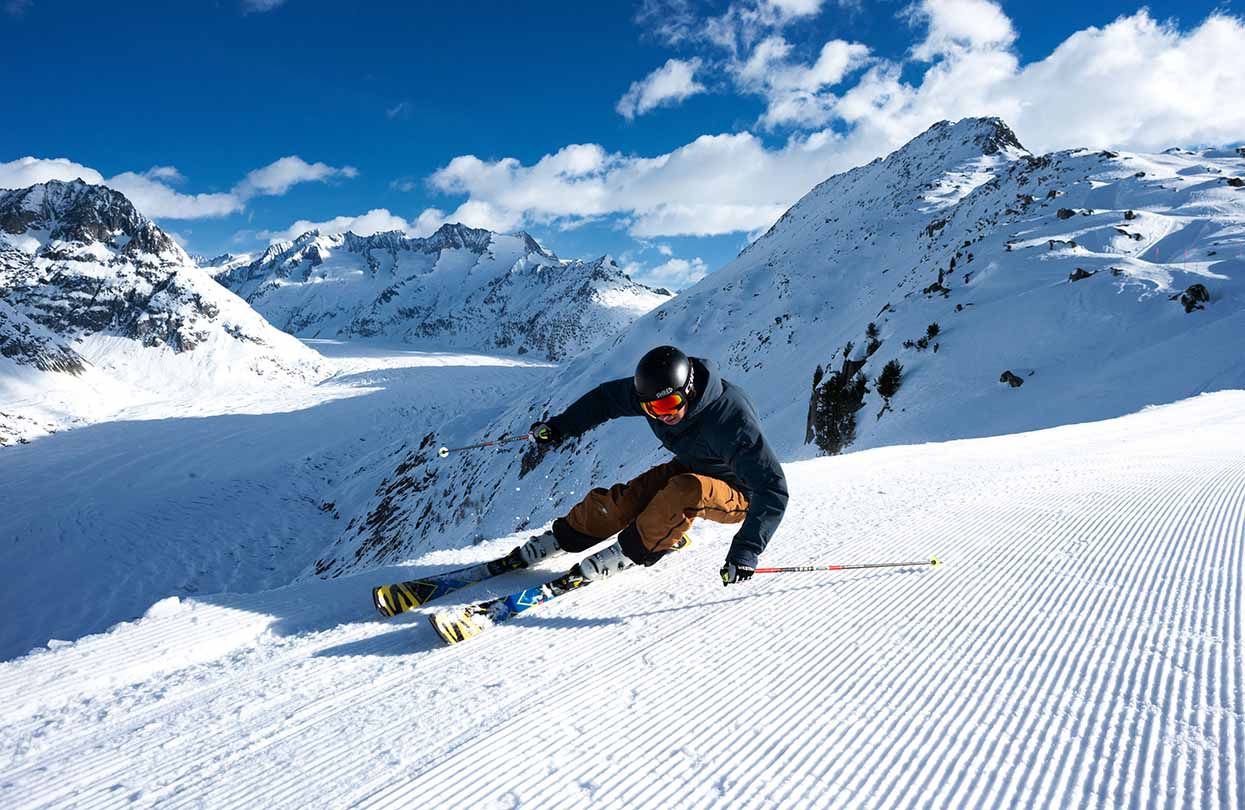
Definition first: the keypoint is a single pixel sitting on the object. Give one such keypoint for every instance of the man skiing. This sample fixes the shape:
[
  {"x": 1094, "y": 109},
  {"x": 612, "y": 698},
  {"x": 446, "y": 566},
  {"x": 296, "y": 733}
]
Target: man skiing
[{"x": 723, "y": 470}]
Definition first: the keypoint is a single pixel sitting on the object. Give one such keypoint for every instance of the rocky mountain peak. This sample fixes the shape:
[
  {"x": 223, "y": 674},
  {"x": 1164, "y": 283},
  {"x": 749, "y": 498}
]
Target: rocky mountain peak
[
  {"x": 946, "y": 145},
  {"x": 457, "y": 235},
  {"x": 76, "y": 211},
  {"x": 533, "y": 246}
]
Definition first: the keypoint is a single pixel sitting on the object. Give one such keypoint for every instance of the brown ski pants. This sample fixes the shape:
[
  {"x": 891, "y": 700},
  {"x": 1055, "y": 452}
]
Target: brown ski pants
[{"x": 662, "y": 502}]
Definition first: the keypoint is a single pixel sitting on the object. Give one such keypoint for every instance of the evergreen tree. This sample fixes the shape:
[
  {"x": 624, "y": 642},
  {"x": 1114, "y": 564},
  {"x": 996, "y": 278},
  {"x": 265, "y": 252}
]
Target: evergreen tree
[
  {"x": 889, "y": 380},
  {"x": 835, "y": 403}
]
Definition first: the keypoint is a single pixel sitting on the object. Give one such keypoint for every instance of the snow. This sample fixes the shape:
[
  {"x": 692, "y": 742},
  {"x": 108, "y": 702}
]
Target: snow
[
  {"x": 459, "y": 289},
  {"x": 1080, "y": 647},
  {"x": 189, "y": 490}
]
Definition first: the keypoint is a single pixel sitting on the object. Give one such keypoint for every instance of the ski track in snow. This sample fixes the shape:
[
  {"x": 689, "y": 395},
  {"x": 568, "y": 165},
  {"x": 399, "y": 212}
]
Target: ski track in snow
[{"x": 1080, "y": 647}]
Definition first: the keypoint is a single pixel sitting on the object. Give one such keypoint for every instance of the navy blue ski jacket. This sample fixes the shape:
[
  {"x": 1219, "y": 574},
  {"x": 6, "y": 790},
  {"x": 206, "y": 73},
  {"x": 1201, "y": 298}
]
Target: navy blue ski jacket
[{"x": 719, "y": 437}]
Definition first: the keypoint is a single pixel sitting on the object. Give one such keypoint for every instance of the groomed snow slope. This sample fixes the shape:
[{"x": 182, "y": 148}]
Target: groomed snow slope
[
  {"x": 1081, "y": 647},
  {"x": 199, "y": 491}
]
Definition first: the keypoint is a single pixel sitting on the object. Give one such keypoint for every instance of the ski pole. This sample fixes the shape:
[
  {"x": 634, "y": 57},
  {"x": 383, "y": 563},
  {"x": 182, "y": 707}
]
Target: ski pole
[
  {"x": 445, "y": 451},
  {"x": 933, "y": 561}
]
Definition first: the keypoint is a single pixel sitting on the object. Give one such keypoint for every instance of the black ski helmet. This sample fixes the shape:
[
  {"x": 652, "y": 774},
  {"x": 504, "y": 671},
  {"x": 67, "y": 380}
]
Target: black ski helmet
[{"x": 661, "y": 372}]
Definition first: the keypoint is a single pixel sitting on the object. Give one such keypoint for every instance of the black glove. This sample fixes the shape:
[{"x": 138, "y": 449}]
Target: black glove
[
  {"x": 736, "y": 573},
  {"x": 544, "y": 433}
]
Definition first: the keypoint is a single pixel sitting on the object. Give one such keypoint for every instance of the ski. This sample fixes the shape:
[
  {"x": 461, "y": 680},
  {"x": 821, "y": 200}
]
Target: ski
[
  {"x": 390, "y": 600},
  {"x": 459, "y": 624}
]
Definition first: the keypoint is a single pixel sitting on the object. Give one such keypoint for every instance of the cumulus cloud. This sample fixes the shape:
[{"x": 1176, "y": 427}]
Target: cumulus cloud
[
  {"x": 428, "y": 221},
  {"x": 483, "y": 214},
  {"x": 960, "y": 24},
  {"x": 473, "y": 214},
  {"x": 28, "y": 171},
  {"x": 378, "y": 220},
  {"x": 167, "y": 174},
  {"x": 1133, "y": 84},
  {"x": 279, "y": 176},
  {"x": 795, "y": 94},
  {"x": 667, "y": 86},
  {"x": 716, "y": 184},
  {"x": 675, "y": 273},
  {"x": 155, "y": 199},
  {"x": 737, "y": 28},
  {"x": 152, "y": 194}
]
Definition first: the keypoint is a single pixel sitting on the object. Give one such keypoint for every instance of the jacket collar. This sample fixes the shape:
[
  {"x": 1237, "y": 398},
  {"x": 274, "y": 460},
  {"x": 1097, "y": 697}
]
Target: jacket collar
[{"x": 708, "y": 389}]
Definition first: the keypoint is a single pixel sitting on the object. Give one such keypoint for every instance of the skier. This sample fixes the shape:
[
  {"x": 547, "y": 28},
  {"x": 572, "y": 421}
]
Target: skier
[{"x": 723, "y": 470}]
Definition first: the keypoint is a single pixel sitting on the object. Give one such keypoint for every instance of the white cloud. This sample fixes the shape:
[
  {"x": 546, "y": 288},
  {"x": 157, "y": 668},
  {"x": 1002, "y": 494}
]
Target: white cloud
[
  {"x": 154, "y": 197},
  {"x": 676, "y": 273},
  {"x": 790, "y": 9},
  {"x": 279, "y": 176},
  {"x": 157, "y": 200},
  {"x": 1133, "y": 84},
  {"x": 378, "y": 220},
  {"x": 167, "y": 174},
  {"x": 483, "y": 214},
  {"x": 428, "y": 222},
  {"x": 28, "y": 171},
  {"x": 960, "y": 24},
  {"x": 473, "y": 214},
  {"x": 400, "y": 110},
  {"x": 715, "y": 184},
  {"x": 740, "y": 26},
  {"x": 794, "y": 93},
  {"x": 667, "y": 86}
]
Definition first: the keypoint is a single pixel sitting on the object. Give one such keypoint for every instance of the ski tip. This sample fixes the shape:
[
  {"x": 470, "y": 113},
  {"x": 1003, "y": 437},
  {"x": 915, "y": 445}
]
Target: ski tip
[
  {"x": 457, "y": 625},
  {"x": 380, "y": 602},
  {"x": 934, "y": 561}
]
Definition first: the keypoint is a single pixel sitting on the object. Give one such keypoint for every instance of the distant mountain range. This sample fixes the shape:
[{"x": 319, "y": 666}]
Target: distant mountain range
[
  {"x": 461, "y": 288},
  {"x": 90, "y": 288},
  {"x": 1011, "y": 292},
  {"x": 95, "y": 296}
]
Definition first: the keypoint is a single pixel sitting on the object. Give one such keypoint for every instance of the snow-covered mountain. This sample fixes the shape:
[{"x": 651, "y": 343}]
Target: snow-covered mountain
[
  {"x": 95, "y": 299},
  {"x": 1016, "y": 292},
  {"x": 460, "y": 288},
  {"x": 224, "y": 263}
]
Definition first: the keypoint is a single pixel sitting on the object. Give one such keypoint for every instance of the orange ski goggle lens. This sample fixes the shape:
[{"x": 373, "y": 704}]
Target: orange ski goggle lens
[{"x": 664, "y": 406}]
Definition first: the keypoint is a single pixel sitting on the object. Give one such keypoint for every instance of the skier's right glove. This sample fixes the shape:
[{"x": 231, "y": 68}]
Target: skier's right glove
[
  {"x": 732, "y": 573},
  {"x": 546, "y": 434}
]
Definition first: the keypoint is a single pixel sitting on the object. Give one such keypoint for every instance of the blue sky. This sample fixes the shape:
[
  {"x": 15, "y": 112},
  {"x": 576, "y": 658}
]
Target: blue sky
[{"x": 664, "y": 132}]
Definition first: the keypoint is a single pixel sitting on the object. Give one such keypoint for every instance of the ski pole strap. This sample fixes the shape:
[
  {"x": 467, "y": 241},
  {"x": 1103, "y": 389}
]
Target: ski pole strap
[
  {"x": 933, "y": 561},
  {"x": 445, "y": 451}
]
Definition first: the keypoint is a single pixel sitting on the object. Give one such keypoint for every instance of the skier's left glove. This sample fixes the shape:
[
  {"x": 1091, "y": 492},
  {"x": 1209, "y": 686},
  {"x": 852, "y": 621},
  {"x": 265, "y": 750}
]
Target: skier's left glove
[
  {"x": 545, "y": 433},
  {"x": 736, "y": 573}
]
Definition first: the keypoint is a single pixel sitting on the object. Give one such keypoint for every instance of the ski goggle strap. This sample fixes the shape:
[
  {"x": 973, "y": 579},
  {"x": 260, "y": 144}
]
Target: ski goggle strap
[{"x": 664, "y": 406}]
